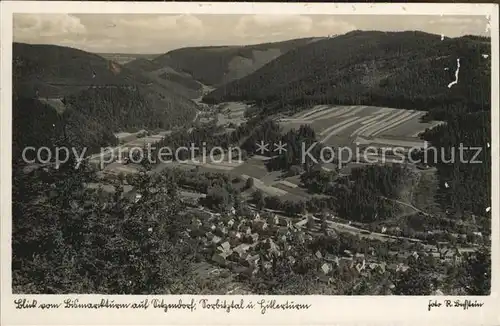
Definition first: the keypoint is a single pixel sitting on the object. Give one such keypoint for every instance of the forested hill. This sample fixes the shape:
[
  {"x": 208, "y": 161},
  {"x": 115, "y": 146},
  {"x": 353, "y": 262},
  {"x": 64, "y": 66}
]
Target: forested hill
[
  {"x": 55, "y": 71},
  {"x": 38, "y": 124},
  {"x": 215, "y": 65},
  {"x": 395, "y": 69},
  {"x": 92, "y": 95},
  {"x": 180, "y": 82}
]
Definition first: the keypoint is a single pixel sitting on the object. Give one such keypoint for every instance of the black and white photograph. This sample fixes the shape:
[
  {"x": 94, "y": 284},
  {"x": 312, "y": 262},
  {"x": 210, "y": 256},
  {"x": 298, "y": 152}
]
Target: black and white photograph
[{"x": 243, "y": 154}]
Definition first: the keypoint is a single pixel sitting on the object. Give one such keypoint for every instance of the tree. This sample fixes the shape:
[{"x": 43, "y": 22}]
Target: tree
[
  {"x": 416, "y": 280},
  {"x": 58, "y": 223},
  {"x": 218, "y": 198},
  {"x": 294, "y": 170},
  {"x": 259, "y": 199},
  {"x": 249, "y": 183},
  {"x": 476, "y": 278}
]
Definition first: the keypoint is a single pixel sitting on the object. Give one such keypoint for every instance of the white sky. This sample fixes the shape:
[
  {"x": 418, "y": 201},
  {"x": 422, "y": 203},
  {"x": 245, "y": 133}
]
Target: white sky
[{"x": 151, "y": 33}]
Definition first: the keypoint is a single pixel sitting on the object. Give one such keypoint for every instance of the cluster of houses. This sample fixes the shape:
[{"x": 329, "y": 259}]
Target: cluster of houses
[{"x": 249, "y": 245}]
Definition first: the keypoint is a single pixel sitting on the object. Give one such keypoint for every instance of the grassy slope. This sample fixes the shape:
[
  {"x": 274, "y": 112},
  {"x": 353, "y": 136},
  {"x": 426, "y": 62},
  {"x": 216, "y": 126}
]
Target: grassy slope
[{"x": 398, "y": 69}]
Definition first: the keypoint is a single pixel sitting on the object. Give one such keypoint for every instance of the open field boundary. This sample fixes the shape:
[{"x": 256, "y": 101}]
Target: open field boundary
[
  {"x": 272, "y": 191},
  {"x": 317, "y": 108},
  {"x": 377, "y": 124},
  {"x": 337, "y": 125},
  {"x": 396, "y": 123},
  {"x": 344, "y": 126},
  {"x": 354, "y": 111}
]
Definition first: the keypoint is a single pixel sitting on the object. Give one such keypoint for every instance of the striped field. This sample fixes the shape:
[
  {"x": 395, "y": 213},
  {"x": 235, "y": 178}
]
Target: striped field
[{"x": 343, "y": 125}]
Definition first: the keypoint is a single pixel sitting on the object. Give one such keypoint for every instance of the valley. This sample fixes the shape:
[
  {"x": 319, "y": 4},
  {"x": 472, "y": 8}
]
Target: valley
[{"x": 237, "y": 205}]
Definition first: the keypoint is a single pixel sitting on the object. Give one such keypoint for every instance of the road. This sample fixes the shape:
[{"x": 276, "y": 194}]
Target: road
[
  {"x": 407, "y": 205},
  {"x": 363, "y": 233}
]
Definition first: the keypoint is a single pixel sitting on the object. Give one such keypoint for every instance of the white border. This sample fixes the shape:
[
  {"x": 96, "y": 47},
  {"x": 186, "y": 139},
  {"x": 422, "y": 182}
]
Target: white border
[{"x": 325, "y": 310}]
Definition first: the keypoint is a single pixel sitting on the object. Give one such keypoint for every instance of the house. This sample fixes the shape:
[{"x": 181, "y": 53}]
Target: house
[
  {"x": 301, "y": 223},
  {"x": 252, "y": 260},
  {"x": 402, "y": 268},
  {"x": 225, "y": 247},
  {"x": 272, "y": 248},
  {"x": 359, "y": 256},
  {"x": 267, "y": 265},
  {"x": 326, "y": 268},
  {"x": 241, "y": 249},
  {"x": 361, "y": 266},
  {"x": 216, "y": 239},
  {"x": 348, "y": 253}
]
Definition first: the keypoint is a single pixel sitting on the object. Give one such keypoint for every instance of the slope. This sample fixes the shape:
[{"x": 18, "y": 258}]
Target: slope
[
  {"x": 216, "y": 65},
  {"x": 39, "y": 125},
  {"x": 409, "y": 70},
  {"x": 100, "y": 94},
  {"x": 181, "y": 83},
  {"x": 55, "y": 71}
]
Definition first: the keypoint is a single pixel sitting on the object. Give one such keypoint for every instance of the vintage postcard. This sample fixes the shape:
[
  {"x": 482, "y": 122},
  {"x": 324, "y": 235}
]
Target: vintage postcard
[{"x": 249, "y": 163}]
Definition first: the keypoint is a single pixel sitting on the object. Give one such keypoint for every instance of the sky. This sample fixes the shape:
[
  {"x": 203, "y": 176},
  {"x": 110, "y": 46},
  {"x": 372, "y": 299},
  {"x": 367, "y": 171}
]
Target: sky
[{"x": 154, "y": 34}]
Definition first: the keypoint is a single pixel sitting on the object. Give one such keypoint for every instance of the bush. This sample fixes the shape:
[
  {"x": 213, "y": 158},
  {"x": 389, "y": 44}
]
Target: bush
[{"x": 249, "y": 183}]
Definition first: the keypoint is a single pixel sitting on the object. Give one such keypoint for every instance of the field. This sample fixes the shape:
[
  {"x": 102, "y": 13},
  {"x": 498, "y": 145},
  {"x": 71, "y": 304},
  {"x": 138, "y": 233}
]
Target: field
[
  {"x": 346, "y": 125},
  {"x": 334, "y": 125}
]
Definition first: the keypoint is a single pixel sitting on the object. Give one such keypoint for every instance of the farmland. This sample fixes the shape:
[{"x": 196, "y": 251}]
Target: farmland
[{"x": 346, "y": 125}]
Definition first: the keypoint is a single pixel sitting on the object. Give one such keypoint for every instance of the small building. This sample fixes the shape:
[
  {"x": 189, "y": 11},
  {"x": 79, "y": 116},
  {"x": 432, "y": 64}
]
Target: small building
[
  {"x": 326, "y": 268},
  {"x": 216, "y": 239}
]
